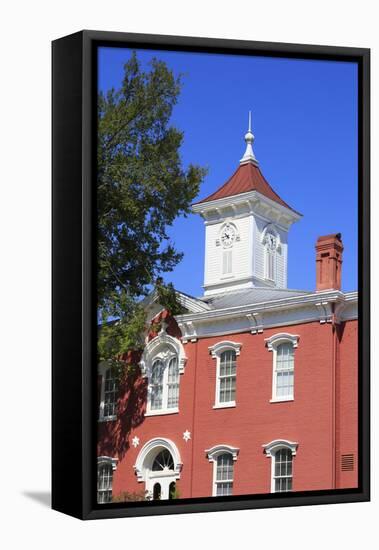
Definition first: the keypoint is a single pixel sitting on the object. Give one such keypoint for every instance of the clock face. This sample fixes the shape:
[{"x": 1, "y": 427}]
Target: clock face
[
  {"x": 271, "y": 241},
  {"x": 228, "y": 235}
]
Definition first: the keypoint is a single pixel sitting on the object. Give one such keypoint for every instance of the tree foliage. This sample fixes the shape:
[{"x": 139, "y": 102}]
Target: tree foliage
[
  {"x": 142, "y": 187},
  {"x": 126, "y": 496}
]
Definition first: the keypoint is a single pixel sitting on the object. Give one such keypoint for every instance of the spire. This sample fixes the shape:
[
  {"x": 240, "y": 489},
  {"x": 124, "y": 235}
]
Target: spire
[{"x": 249, "y": 153}]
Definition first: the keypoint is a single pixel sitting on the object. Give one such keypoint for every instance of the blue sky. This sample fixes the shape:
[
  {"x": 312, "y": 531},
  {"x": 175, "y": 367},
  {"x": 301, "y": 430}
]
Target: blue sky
[{"x": 304, "y": 118}]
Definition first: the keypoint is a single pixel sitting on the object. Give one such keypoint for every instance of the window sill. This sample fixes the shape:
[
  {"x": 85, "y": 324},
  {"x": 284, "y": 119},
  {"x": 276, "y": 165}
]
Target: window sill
[
  {"x": 281, "y": 399},
  {"x": 225, "y": 405},
  {"x": 108, "y": 418},
  {"x": 162, "y": 412}
]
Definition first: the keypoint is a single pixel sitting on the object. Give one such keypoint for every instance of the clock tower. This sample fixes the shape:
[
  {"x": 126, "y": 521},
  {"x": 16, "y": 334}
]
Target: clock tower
[{"x": 246, "y": 229}]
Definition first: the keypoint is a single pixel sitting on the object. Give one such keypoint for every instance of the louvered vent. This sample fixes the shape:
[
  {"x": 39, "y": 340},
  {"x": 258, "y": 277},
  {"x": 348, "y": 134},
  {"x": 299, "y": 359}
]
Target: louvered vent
[{"x": 347, "y": 463}]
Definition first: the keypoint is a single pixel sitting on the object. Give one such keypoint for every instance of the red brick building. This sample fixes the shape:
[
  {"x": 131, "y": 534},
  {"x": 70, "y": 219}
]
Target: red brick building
[{"x": 254, "y": 388}]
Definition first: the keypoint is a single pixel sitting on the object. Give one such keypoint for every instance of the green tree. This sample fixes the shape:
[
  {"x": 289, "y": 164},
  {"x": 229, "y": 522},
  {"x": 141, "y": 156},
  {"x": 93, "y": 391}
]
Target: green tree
[{"x": 142, "y": 187}]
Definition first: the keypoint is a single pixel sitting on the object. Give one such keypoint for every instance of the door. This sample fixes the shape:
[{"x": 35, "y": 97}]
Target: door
[{"x": 160, "y": 482}]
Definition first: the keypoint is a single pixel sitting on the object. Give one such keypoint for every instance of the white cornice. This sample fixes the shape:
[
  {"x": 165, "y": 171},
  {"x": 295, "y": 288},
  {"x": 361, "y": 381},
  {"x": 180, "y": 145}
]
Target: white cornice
[
  {"x": 255, "y": 203},
  {"x": 282, "y": 303},
  {"x": 188, "y": 302},
  {"x": 323, "y": 307}
]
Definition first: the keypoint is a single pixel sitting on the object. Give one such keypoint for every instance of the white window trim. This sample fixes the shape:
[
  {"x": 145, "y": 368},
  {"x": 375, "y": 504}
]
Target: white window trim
[
  {"x": 109, "y": 461},
  {"x": 270, "y": 450},
  {"x": 213, "y": 453},
  {"x": 269, "y": 253},
  {"x": 272, "y": 344},
  {"x": 163, "y": 347},
  {"x": 270, "y": 228},
  {"x": 152, "y": 348},
  {"x": 103, "y": 367},
  {"x": 227, "y": 263},
  {"x": 237, "y": 232},
  {"x": 216, "y": 351},
  {"x": 160, "y": 412},
  {"x": 149, "y": 451},
  {"x": 165, "y": 356}
]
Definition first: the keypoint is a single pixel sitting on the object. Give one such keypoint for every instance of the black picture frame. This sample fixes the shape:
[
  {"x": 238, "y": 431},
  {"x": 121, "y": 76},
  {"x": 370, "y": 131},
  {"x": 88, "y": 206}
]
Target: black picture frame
[{"x": 74, "y": 418}]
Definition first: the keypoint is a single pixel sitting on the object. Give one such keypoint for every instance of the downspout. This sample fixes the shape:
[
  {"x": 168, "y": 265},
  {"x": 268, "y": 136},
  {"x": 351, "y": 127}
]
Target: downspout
[{"x": 334, "y": 398}]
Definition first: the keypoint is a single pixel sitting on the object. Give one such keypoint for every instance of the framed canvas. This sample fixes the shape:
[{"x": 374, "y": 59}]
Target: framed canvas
[{"x": 210, "y": 275}]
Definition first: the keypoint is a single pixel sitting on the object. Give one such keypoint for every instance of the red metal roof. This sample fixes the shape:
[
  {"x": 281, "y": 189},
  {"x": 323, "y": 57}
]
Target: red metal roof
[{"x": 247, "y": 177}]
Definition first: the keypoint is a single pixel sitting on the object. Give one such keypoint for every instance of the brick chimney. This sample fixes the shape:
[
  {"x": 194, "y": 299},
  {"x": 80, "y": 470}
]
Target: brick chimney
[{"x": 329, "y": 262}]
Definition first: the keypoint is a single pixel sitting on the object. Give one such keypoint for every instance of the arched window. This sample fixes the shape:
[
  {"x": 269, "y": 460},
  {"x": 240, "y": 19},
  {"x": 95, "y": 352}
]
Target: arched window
[
  {"x": 173, "y": 383},
  {"x": 105, "y": 468},
  {"x": 225, "y": 354},
  {"x": 157, "y": 491},
  {"x": 162, "y": 362},
  {"x": 156, "y": 385},
  {"x": 283, "y": 347},
  {"x": 270, "y": 256},
  {"x": 223, "y": 458},
  {"x": 163, "y": 392},
  {"x": 163, "y": 461},
  {"x": 108, "y": 394},
  {"x": 281, "y": 453},
  {"x": 172, "y": 491}
]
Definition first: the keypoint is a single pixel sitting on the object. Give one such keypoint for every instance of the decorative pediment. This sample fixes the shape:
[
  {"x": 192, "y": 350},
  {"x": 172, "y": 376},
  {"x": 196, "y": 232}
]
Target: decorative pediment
[
  {"x": 218, "y": 450},
  {"x": 277, "y": 444},
  {"x": 281, "y": 337},
  {"x": 224, "y": 345},
  {"x": 162, "y": 345},
  {"x": 107, "y": 460}
]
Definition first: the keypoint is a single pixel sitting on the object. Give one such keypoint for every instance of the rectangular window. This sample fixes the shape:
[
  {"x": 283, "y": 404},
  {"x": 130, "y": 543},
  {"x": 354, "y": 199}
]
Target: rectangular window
[
  {"x": 284, "y": 371},
  {"x": 110, "y": 394},
  {"x": 283, "y": 471},
  {"x": 227, "y": 377},
  {"x": 270, "y": 265},
  {"x": 104, "y": 483},
  {"x": 226, "y": 262},
  {"x": 224, "y": 475},
  {"x": 173, "y": 384},
  {"x": 156, "y": 386}
]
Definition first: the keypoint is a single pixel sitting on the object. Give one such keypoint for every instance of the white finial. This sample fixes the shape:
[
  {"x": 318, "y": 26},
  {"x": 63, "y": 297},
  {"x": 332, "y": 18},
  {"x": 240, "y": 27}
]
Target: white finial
[{"x": 249, "y": 153}]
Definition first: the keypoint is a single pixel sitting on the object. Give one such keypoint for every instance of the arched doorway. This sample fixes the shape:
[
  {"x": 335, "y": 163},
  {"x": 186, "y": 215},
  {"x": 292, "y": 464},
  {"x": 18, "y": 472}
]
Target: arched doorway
[
  {"x": 158, "y": 465},
  {"x": 160, "y": 479}
]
